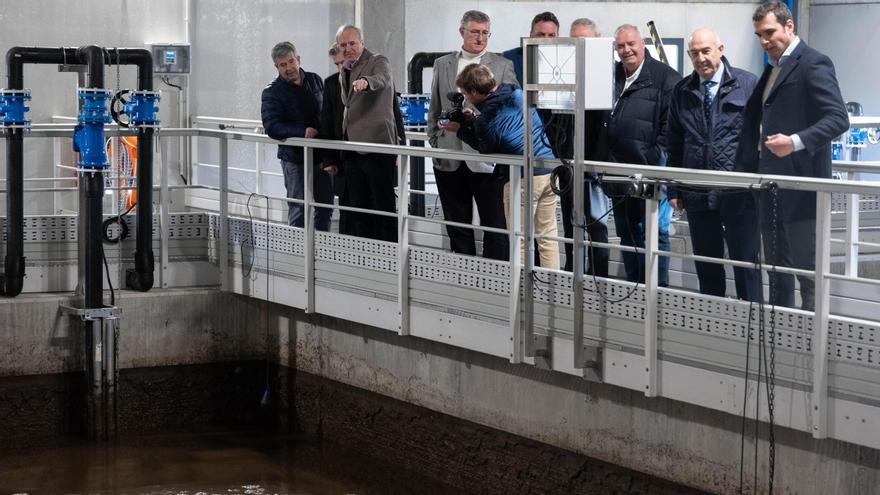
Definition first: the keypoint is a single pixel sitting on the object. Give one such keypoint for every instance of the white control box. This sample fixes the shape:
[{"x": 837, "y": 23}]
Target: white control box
[{"x": 557, "y": 65}]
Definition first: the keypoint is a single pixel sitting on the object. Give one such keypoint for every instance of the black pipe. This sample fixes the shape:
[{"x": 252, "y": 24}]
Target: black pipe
[
  {"x": 141, "y": 277},
  {"x": 93, "y": 57},
  {"x": 415, "y": 69},
  {"x": 12, "y": 281}
]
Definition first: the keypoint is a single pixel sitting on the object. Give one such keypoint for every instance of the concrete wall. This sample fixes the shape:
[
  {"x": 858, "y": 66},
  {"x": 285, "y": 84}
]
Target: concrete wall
[
  {"x": 671, "y": 440},
  {"x": 668, "y": 439}
]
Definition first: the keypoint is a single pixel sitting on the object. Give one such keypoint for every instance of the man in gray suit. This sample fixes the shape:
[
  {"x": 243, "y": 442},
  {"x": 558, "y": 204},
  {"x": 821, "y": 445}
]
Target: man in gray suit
[
  {"x": 460, "y": 183},
  {"x": 368, "y": 96}
]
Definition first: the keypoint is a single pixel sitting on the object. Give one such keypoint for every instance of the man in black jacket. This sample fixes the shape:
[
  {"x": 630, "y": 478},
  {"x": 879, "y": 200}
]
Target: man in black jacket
[
  {"x": 331, "y": 128},
  {"x": 705, "y": 120},
  {"x": 634, "y": 131},
  {"x": 291, "y": 107},
  {"x": 789, "y": 122}
]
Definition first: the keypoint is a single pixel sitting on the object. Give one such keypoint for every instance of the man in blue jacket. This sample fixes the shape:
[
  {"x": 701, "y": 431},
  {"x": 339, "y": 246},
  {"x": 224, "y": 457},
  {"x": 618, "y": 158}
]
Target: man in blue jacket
[
  {"x": 634, "y": 131},
  {"x": 789, "y": 122},
  {"x": 499, "y": 128},
  {"x": 291, "y": 107},
  {"x": 705, "y": 119}
]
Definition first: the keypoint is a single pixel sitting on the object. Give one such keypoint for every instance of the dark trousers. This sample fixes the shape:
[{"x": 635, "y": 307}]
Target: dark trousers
[
  {"x": 458, "y": 191},
  {"x": 294, "y": 178},
  {"x": 629, "y": 222},
  {"x": 710, "y": 230},
  {"x": 597, "y": 231},
  {"x": 370, "y": 184},
  {"x": 790, "y": 243}
]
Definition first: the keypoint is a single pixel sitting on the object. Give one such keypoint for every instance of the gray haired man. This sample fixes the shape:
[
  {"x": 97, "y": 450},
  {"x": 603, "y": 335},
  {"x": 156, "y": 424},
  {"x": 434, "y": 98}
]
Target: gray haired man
[
  {"x": 460, "y": 183},
  {"x": 291, "y": 107}
]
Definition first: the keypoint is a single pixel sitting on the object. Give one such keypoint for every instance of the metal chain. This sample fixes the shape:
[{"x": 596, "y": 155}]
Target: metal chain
[{"x": 771, "y": 371}]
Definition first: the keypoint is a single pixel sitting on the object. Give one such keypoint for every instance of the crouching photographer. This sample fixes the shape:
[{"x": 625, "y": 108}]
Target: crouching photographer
[{"x": 499, "y": 128}]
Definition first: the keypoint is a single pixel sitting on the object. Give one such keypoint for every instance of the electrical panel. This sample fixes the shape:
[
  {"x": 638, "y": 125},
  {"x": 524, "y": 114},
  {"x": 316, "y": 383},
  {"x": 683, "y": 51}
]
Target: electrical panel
[{"x": 170, "y": 58}]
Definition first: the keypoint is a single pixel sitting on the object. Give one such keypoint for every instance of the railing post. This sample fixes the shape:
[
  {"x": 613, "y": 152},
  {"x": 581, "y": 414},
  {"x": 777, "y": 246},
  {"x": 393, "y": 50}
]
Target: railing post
[
  {"x": 164, "y": 217},
  {"x": 577, "y": 212},
  {"x": 820, "y": 315},
  {"x": 514, "y": 205},
  {"x": 224, "y": 214},
  {"x": 258, "y": 168},
  {"x": 652, "y": 262},
  {"x": 309, "y": 223},
  {"x": 527, "y": 331},
  {"x": 852, "y": 232},
  {"x": 403, "y": 246}
]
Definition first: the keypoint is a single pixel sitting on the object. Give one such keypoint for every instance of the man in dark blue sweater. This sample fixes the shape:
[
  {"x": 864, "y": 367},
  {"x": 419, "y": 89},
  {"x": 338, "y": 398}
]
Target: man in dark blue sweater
[{"x": 291, "y": 107}]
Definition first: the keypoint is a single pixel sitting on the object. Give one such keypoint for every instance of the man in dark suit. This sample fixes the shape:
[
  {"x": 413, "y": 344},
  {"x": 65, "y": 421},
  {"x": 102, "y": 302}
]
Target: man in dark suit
[
  {"x": 705, "y": 119},
  {"x": 790, "y": 120},
  {"x": 331, "y": 128}
]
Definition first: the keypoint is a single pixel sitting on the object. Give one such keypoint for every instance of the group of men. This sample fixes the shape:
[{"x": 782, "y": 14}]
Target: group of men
[
  {"x": 358, "y": 103},
  {"x": 717, "y": 118}
]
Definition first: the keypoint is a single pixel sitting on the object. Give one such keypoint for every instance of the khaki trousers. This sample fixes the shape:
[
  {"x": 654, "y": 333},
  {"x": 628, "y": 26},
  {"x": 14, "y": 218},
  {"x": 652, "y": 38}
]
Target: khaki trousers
[{"x": 544, "y": 215}]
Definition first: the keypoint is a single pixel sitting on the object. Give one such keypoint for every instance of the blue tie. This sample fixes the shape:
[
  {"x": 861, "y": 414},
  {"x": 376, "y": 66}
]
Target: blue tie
[{"x": 707, "y": 101}]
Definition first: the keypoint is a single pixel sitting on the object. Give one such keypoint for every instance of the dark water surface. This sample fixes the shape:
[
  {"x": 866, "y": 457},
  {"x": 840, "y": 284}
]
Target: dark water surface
[{"x": 215, "y": 463}]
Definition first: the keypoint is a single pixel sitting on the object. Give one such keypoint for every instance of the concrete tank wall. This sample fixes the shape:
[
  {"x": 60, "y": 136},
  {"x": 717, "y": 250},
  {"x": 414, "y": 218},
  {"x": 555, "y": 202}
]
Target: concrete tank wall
[{"x": 664, "y": 438}]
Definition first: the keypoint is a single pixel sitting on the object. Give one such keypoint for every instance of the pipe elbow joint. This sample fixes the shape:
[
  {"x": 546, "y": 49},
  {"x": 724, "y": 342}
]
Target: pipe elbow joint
[
  {"x": 141, "y": 277},
  {"x": 13, "y": 280}
]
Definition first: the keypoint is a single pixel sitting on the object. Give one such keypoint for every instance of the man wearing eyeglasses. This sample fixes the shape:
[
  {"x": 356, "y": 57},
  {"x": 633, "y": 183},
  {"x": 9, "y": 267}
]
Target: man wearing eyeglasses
[{"x": 461, "y": 183}]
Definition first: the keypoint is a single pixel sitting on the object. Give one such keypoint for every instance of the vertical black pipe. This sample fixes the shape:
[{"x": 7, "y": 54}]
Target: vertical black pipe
[
  {"x": 12, "y": 281},
  {"x": 141, "y": 278},
  {"x": 415, "y": 69},
  {"x": 93, "y": 56}
]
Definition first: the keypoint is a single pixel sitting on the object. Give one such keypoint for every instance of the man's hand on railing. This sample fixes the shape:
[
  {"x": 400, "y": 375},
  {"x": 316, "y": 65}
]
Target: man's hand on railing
[{"x": 311, "y": 132}]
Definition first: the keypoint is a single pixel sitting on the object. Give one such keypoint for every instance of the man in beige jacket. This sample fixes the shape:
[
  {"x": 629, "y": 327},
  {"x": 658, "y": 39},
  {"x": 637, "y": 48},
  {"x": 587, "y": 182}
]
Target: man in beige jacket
[
  {"x": 368, "y": 96},
  {"x": 461, "y": 183}
]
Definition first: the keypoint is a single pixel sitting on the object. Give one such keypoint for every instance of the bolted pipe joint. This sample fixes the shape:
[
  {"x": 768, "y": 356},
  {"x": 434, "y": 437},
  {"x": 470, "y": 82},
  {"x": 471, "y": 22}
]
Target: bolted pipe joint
[
  {"x": 142, "y": 108},
  {"x": 88, "y": 135},
  {"x": 13, "y": 107}
]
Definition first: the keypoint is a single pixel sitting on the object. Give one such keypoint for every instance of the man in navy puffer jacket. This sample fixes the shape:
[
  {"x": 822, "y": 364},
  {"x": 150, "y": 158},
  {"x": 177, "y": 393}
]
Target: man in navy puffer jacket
[
  {"x": 634, "y": 131},
  {"x": 499, "y": 128},
  {"x": 291, "y": 107},
  {"x": 705, "y": 121}
]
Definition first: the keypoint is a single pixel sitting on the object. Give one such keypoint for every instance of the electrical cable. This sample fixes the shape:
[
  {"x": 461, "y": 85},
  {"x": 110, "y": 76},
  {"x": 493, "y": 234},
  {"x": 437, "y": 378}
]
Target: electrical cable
[
  {"x": 121, "y": 225},
  {"x": 167, "y": 82},
  {"x": 109, "y": 281}
]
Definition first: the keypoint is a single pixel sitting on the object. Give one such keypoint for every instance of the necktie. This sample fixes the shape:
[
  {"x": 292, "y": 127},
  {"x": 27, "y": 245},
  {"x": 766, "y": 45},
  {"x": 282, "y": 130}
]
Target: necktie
[{"x": 707, "y": 101}]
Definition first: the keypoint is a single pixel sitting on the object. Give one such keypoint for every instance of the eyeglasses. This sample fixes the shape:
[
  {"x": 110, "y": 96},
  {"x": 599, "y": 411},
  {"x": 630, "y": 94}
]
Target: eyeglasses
[{"x": 477, "y": 34}]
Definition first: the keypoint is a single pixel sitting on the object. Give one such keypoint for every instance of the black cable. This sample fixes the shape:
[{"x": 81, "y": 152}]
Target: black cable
[
  {"x": 165, "y": 80},
  {"x": 120, "y": 222},
  {"x": 109, "y": 282}
]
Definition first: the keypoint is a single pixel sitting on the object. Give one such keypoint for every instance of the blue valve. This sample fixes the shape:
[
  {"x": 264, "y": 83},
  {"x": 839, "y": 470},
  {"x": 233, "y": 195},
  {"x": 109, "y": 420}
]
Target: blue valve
[
  {"x": 13, "y": 108},
  {"x": 88, "y": 135},
  {"x": 142, "y": 108}
]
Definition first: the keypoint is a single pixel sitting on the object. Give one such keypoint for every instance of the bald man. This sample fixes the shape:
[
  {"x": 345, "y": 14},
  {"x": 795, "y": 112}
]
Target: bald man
[{"x": 705, "y": 120}]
